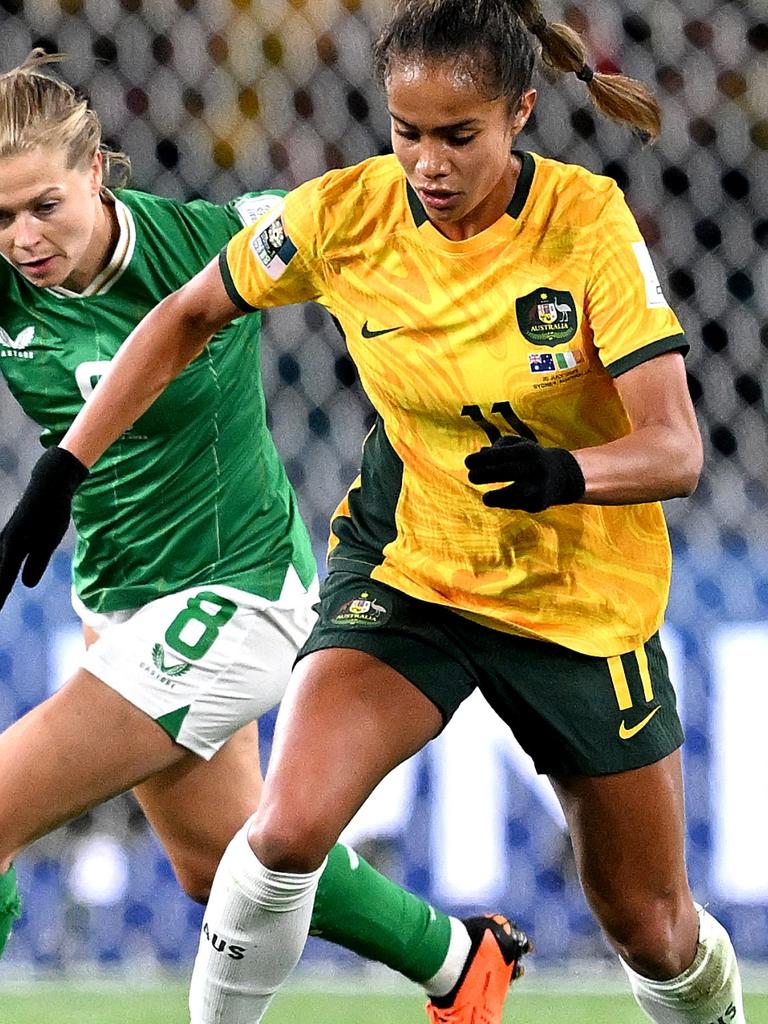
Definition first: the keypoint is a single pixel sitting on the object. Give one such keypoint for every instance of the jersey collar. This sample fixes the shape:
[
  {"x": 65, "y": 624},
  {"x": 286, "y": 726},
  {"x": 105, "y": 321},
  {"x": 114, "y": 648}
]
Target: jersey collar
[
  {"x": 121, "y": 257},
  {"x": 524, "y": 182},
  {"x": 514, "y": 209}
]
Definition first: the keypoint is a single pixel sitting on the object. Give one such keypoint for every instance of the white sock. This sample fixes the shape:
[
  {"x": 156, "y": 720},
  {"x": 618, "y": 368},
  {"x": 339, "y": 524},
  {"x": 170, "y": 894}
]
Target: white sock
[
  {"x": 254, "y": 930},
  {"x": 441, "y": 983},
  {"x": 708, "y": 992}
]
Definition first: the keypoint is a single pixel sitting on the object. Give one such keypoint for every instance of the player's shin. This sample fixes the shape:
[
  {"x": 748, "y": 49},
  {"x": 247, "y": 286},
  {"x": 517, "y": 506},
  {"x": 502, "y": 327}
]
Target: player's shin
[
  {"x": 10, "y": 905},
  {"x": 359, "y": 909},
  {"x": 708, "y": 992},
  {"x": 254, "y": 930}
]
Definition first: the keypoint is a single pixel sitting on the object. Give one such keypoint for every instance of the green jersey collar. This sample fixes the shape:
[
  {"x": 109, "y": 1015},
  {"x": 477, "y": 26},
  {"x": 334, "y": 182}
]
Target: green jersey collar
[{"x": 121, "y": 257}]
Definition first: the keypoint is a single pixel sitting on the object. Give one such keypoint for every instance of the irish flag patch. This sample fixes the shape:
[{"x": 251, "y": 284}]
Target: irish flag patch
[{"x": 552, "y": 362}]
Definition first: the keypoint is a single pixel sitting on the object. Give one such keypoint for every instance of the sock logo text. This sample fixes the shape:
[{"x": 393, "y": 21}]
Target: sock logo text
[
  {"x": 222, "y": 946},
  {"x": 729, "y": 1014}
]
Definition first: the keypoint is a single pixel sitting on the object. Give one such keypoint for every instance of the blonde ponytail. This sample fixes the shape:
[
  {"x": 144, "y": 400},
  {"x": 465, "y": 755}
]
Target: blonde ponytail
[{"x": 39, "y": 110}]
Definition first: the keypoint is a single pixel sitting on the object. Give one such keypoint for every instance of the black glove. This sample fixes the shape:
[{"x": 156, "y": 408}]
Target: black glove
[
  {"x": 538, "y": 477},
  {"x": 40, "y": 519}
]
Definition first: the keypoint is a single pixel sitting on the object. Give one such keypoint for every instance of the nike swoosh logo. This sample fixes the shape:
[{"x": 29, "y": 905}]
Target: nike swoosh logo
[
  {"x": 627, "y": 734},
  {"x": 368, "y": 333}
]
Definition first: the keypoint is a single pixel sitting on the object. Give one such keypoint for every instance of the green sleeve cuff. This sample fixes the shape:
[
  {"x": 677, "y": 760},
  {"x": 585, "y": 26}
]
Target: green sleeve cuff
[{"x": 673, "y": 343}]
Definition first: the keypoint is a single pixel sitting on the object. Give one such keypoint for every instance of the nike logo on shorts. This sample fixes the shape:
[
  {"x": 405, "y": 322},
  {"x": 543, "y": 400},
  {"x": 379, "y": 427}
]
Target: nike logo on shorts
[{"x": 626, "y": 733}]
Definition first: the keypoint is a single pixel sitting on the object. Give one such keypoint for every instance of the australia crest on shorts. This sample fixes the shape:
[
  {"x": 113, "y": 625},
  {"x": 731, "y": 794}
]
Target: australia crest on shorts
[
  {"x": 547, "y": 316},
  {"x": 363, "y": 610}
]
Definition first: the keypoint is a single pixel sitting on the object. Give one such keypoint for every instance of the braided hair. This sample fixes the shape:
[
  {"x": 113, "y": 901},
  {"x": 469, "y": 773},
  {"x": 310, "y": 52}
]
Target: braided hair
[{"x": 492, "y": 41}]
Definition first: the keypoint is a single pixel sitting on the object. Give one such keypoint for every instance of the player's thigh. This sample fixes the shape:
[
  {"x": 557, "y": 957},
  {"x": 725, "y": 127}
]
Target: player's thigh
[
  {"x": 606, "y": 730},
  {"x": 628, "y": 831},
  {"x": 346, "y": 721},
  {"x": 79, "y": 747},
  {"x": 204, "y": 662},
  {"x": 196, "y": 806},
  {"x": 376, "y": 679}
]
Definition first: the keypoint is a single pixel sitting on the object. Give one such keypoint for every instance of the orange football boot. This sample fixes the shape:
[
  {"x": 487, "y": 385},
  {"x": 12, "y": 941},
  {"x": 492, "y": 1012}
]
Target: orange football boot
[{"x": 492, "y": 965}]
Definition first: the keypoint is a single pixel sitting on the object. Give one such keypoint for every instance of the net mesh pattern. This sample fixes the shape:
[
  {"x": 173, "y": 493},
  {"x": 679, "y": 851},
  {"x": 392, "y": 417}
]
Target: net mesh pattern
[{"x": 216, "y": 97}]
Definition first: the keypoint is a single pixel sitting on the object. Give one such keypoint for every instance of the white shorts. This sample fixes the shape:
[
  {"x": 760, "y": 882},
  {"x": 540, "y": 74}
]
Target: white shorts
[{"x": 205, "y": 661}]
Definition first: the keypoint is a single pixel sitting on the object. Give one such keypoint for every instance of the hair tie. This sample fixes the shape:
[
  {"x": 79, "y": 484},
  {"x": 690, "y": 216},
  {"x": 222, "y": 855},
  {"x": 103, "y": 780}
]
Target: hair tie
[
  {"x": 585, "y": 73},
  {"x": 538, "y": 25}
]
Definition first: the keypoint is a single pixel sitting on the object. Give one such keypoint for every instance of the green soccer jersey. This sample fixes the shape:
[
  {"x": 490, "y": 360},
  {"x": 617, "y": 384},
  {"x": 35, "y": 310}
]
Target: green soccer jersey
[{"x": 194, "y": 492}]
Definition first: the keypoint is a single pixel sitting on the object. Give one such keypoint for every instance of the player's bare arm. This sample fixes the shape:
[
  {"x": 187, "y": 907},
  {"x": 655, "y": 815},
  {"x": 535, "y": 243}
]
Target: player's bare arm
[
  {"x": 662, "y": 455},
  {"x": 168, "y": 338}
]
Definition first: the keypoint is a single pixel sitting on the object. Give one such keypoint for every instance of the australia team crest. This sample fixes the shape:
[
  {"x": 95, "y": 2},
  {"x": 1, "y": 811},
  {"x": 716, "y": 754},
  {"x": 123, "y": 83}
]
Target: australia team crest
[
  {"x": 363, "y": 610},
  {"x": 546, "y": 316}
]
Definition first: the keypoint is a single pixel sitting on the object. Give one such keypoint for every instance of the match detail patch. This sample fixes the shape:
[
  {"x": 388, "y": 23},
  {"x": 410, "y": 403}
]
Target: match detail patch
[
  {"x": 653, "y": 293},
  {"x": 251, "y": 208},
  {"x": 272, "y": 246}
]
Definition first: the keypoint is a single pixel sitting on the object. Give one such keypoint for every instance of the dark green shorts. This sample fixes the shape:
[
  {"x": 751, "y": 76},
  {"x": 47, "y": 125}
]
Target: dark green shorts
[{"x": 572, "y": 713}]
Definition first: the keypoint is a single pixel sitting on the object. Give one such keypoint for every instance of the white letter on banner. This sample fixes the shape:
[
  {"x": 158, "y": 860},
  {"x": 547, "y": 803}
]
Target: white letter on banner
[
  {"x": 388, "y": 810},
  {"x": 739, "y": 781},
  {"x": 471, "y": 769}
]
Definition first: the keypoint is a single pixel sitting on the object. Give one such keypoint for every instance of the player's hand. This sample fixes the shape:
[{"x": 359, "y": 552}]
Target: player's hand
[
  {"x": 40, "y": 519},
  {"x": 537, "y": 477}
]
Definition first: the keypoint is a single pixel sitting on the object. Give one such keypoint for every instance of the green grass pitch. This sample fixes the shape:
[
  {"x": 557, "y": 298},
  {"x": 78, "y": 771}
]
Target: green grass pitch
[{"x": 68, "y": 1004}]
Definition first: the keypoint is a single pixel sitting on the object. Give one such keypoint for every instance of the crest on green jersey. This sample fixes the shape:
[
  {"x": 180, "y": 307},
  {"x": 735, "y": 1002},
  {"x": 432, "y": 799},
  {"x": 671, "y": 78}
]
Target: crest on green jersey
[
  {"x": 546, "y": 316},
  {"x": 158, "y": 657}
]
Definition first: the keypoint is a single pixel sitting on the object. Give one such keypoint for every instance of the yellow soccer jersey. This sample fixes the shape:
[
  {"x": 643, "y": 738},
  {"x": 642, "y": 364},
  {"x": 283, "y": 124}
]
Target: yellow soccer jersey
[{"x": 520, "y": 329}]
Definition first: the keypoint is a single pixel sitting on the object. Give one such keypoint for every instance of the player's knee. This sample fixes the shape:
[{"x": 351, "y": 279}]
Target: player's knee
[
  {"x": 651, "y": 934},
  {"x": 298, "y": 844},
  {"x": 15, "y": 832}
]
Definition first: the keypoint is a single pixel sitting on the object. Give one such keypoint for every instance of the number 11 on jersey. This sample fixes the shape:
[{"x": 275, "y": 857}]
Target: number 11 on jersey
[{"x": 505, "y": 412}]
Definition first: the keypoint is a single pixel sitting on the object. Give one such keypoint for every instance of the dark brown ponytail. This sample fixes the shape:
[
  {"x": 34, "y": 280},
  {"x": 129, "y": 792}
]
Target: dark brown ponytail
[{"x": 616, "y": 96}]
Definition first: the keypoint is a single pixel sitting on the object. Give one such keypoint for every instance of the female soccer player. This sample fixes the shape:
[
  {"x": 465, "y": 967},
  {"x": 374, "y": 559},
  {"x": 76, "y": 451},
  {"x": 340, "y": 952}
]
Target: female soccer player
[
  {"x": 505, "y": 530},
  {"x": 193, "y": 571}
]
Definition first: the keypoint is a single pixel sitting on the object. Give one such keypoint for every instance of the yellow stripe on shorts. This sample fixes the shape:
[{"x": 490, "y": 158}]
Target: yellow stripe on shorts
[
  {"x": 645, "y": 673},
  {"x": 619, "y": 680}
]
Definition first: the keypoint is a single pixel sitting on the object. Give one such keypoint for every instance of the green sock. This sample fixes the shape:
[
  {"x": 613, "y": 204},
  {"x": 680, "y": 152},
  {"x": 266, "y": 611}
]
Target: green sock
[
  {"x": 359, "y": 909},
  {"x": 10, "y": 905}
]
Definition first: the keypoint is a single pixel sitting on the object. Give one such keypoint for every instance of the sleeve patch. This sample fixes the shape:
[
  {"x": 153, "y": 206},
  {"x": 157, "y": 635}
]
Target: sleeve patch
[
  {"x": 251, "y": 208},
  {"x": 272, "y": 247},
  {"x": 653, "y": 293}
]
